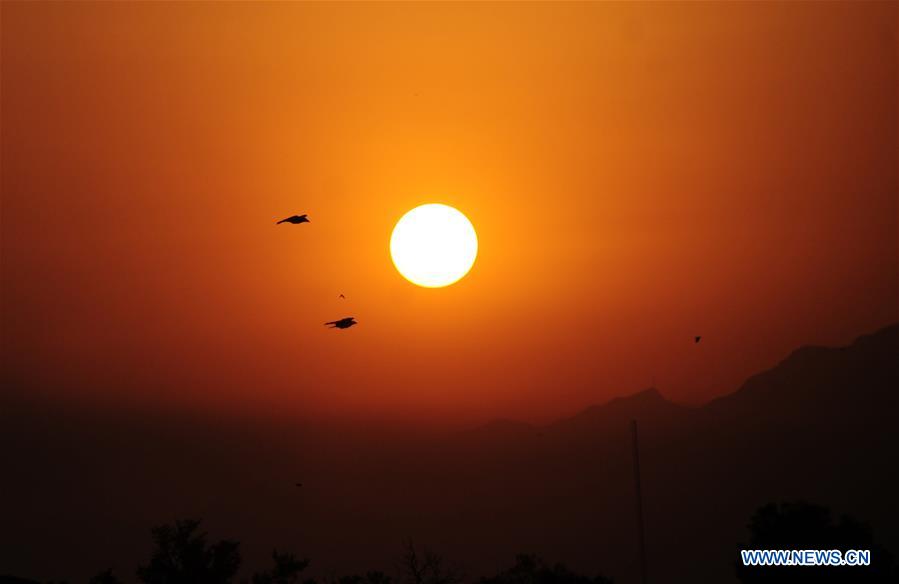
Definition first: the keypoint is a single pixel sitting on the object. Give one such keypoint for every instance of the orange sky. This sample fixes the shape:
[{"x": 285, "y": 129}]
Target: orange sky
[{"x": 637, "y": 173}]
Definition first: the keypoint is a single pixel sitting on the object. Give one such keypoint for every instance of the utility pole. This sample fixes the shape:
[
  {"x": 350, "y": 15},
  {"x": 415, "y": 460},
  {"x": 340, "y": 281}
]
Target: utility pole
[{"x": 641, "y": 538}]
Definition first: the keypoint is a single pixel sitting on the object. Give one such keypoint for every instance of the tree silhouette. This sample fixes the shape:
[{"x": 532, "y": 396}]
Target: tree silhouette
[
  {"x": 426, "y": 567},
  {"x": 287, "y": 570},
  {"x": 182, "y": 556},
  {"x": 529, "y": 569},
  {"x": 803, "y": 526}
]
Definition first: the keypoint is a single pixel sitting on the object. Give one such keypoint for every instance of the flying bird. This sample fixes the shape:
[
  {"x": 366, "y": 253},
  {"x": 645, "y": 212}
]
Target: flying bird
[
  {"x": 342, "y": 296},
  {"x": 696, "y": 340},
  {"x": 295, "y": 219},
  {"x": 343, "y": 323}
]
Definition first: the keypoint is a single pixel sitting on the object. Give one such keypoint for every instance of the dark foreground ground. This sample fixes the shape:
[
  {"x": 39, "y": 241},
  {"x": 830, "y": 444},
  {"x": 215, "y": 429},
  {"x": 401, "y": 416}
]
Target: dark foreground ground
[{"x": 80, "y": 491}]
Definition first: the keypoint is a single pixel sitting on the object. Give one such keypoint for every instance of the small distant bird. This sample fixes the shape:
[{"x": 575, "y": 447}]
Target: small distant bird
[
  {"x": 295, "y": 219},
  {"x": 696, "y": 340},
  {"x": 342, "y": 296},
  {"x": 343, "y": 323},
  {"x": 299, "y": 484}
]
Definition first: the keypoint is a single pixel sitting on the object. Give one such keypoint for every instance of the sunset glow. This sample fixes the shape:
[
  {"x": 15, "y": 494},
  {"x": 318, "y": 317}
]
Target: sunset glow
[{"x": 636, "y": 174}]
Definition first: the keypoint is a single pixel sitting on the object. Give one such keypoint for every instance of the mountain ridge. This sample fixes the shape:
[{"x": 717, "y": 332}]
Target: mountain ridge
[{"x": 652, "y": 397}]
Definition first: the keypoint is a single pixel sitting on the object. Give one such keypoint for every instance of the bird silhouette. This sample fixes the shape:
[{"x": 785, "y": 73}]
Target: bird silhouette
[
  {"x": 342, "y": 296},
  {"x": 343, "y": 323},
  {"x": 696, "y": 340},
  {"x": 295, "y": 219},
  {"x": 299, "y": 484}
]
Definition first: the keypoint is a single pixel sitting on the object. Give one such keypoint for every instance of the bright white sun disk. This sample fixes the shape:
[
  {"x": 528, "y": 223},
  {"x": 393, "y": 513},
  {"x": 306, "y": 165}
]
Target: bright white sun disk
[{"x": 433, "y": 245}]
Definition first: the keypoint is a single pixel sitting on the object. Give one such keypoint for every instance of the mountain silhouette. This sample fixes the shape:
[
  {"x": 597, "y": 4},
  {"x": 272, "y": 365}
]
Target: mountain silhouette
[
  {"x": 647, "y": 406},
  {"x": 823, "y": 379},
  {"x": 818, "y": 426}
]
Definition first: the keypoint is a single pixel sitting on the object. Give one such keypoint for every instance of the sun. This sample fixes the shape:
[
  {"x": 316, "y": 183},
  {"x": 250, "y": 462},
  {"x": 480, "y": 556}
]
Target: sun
[{"x": 433, "y": 245}]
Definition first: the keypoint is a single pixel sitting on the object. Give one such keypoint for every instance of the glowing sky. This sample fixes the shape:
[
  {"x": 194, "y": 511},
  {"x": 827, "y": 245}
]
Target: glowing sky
[{"x": 637, "y": 174}]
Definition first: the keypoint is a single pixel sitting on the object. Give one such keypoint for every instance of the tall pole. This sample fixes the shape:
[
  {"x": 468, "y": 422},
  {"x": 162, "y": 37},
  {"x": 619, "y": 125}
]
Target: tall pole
[{"x": 641, "y": 539}]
